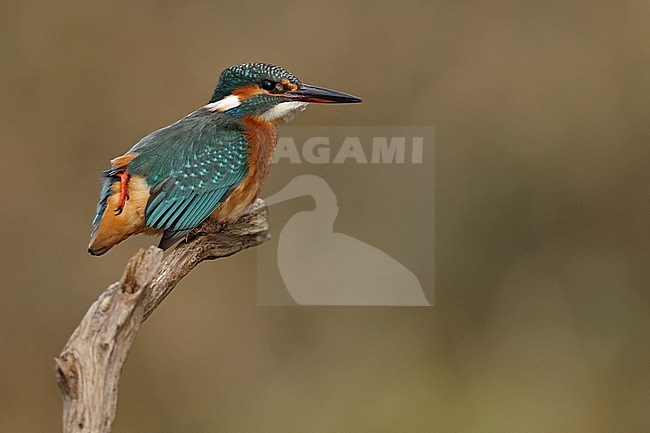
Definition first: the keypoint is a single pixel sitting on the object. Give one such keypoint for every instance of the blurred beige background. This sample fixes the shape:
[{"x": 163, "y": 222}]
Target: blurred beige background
[{"x": 541, "y": 320}]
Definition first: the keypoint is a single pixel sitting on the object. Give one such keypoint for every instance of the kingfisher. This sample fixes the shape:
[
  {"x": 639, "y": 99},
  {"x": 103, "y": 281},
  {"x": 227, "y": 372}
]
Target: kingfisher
[{"x": 210, "y": 164}]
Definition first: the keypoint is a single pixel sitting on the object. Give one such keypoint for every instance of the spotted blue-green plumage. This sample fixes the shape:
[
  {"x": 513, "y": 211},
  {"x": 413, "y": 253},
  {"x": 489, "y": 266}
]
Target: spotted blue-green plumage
[{"x": 193, "y": 166}]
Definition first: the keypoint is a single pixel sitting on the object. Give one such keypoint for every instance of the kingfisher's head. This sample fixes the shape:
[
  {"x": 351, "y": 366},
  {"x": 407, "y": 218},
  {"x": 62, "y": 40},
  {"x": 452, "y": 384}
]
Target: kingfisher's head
[{"x": 268, "y": 91}]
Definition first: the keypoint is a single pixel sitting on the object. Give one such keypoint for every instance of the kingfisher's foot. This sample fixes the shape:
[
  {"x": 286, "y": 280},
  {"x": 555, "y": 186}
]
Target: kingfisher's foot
[
  {"x": 124, "y": 191},
  {"x": 222, "y": 225}
]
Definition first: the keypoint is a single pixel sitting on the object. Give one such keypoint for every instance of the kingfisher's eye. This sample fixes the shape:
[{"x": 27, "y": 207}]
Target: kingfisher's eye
[{"x": 268, "y": 85}]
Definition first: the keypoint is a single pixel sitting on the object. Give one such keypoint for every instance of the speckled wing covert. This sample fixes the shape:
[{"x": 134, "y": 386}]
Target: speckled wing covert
[{"x": 192, "y": 166}]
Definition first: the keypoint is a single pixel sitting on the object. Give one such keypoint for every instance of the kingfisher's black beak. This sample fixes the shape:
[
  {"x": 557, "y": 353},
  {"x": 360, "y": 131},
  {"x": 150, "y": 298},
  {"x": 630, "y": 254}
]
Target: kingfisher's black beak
[{"x": 307, "y": 93}]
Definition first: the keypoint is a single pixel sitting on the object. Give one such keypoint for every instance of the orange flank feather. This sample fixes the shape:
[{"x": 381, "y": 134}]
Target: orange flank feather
[
  {"x": 113, "y": 228},
  {"x": 261, "y": 136}
]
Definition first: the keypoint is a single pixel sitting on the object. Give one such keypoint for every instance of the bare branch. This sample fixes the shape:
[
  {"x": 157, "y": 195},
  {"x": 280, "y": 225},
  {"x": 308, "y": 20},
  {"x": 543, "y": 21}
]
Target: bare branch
[
  {"x": 208, "y": 242},
  {"x": 89, "y": 367}
]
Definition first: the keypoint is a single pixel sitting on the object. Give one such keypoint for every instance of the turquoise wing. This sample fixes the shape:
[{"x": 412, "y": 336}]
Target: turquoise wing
[{"x": 193, "y": 166}]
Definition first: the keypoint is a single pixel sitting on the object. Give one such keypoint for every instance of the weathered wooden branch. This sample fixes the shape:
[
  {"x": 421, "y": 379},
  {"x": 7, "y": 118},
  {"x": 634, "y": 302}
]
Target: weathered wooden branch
[{"x": 89, "y": 368}]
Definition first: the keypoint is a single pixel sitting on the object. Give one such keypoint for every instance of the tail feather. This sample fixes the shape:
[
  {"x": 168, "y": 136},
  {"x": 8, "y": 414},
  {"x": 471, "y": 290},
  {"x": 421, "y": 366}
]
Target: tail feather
[{"x": 108, "y": 179}]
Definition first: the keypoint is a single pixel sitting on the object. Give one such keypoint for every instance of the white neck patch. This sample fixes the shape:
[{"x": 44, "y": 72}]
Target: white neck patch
[
  {"x": 225, "y": 104},
  {"x": 284, "y": 110}
]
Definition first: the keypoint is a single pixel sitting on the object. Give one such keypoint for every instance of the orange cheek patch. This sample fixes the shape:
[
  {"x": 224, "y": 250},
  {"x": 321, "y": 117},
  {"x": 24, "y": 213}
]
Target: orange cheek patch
[{"x": 245, "y": 92}]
